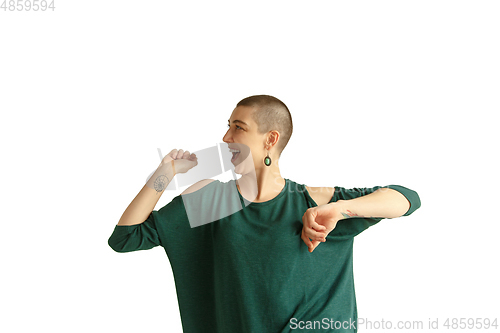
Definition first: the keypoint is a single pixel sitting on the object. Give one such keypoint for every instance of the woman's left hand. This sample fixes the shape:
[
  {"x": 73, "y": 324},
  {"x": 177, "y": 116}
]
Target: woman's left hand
[{"x": 318, "y": 222}]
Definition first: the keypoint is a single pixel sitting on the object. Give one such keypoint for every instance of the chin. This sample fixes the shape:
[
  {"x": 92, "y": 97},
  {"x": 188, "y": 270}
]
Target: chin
[
  {"x": 244, "y": 170},
  {"x": 239, "y": 170}
]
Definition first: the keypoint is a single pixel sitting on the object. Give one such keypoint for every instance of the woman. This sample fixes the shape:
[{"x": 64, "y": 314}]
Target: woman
[{"x": 251, "y": 269}]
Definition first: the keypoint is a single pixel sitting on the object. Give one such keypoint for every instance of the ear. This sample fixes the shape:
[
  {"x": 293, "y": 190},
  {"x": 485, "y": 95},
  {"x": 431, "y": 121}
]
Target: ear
[{"x": 273, "y": 137}]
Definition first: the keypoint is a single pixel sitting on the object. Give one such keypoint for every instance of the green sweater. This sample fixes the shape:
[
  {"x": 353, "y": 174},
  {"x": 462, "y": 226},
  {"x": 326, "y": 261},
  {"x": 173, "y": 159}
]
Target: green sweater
[{"x": 250, "y": 271}]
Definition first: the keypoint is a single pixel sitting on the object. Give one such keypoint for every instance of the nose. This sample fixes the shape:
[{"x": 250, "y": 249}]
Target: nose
[{"x": 227, "y": 137}]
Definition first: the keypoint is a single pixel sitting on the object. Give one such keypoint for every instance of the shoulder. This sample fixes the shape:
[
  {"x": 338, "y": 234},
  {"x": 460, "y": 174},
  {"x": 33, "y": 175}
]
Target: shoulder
[
  {"x": 321, "y": 195},
  {"x": 197, "y": 186}
]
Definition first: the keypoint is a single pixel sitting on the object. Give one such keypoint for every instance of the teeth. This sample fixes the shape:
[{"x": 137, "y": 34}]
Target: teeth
[{"x": 234, "y": 150}]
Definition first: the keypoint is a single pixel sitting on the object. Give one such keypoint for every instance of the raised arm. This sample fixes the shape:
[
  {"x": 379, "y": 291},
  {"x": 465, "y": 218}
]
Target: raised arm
[{"x": 177, "y": 161}]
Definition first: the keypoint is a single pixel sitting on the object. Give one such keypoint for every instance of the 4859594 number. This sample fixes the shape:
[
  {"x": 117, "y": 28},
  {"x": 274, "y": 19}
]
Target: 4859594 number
[
  {"x": 470, "y": 323},
  {"x": 27, "y": 5}
]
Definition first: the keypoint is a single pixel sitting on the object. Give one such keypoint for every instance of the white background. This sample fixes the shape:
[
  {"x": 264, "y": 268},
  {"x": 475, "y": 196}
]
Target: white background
[{"x": 381, "y": 92}]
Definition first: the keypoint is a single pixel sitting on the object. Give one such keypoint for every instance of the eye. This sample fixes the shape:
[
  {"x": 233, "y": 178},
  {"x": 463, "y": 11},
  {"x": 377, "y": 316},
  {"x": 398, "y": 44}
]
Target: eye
[{"x": 237, "y": 127}]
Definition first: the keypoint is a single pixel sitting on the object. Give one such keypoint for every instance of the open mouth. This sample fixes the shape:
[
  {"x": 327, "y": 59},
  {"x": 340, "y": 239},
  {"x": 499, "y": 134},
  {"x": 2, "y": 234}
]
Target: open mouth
[{"x": 235, "y": 153}]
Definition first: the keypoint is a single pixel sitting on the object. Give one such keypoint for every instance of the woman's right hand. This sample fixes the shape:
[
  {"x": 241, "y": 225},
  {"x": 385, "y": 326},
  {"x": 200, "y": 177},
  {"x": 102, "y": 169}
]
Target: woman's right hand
[{"x": 183, "y": 160}]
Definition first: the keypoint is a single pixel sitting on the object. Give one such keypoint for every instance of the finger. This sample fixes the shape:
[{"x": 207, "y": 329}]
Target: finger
[
  {"x": 173, "y": 153},
  {"x": 316, "y": 226},
  {"x": 314, "y": 246},
  {"x": 179, "y": 154},
  {"x": 319, "y": 237},
  {"x": 194, "y": 159},
  {"x": 308, "y": 217},
  {"x": 315, "y": 235},
  {"x": 307, "y": 221},
  {"x": 306, "y": 240},
  {"x": 186, "y": 154}
]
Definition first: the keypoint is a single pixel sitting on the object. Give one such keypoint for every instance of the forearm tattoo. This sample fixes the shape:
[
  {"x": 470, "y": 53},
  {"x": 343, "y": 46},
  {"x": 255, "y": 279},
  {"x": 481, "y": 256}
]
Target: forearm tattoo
[
  {"x": 160, "y": 183},
  {"x": 349, "y": 214}
]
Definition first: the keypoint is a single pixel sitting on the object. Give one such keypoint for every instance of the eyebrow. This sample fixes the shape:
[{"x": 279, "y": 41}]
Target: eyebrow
[{"x": 238, "y": 121}]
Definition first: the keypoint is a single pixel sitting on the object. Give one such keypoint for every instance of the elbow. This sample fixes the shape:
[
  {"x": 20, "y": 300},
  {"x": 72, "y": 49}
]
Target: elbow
[
  {"x": 412, "y": 197},
  {"x": 115, "y": 245},
  {"x": 119, "y": 243},
  {"x": 417, "y": 201}
]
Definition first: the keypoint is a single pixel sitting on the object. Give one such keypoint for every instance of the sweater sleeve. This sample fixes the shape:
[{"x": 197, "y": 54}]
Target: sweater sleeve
[
  {"x": 142, "y": 236},
  {"x": 166, "y": 227}
]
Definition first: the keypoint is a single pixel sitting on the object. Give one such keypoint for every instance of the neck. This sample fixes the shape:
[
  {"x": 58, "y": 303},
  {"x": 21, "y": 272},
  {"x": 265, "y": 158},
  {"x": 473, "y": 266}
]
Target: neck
[{"x": 262, "y": 185}]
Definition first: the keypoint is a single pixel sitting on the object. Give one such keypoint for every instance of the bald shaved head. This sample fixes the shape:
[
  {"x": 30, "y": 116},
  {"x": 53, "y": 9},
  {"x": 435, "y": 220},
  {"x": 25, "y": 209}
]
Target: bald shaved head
[{"x": 271, "y": 114}]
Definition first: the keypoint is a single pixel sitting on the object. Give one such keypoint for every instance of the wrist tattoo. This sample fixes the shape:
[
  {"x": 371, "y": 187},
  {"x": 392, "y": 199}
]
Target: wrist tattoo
[{"x": 160, "y": 183}]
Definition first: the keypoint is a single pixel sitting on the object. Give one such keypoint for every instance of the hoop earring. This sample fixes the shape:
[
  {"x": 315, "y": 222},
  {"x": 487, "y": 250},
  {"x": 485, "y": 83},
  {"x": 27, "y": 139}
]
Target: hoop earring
[{"x": 267, "y": 160}]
